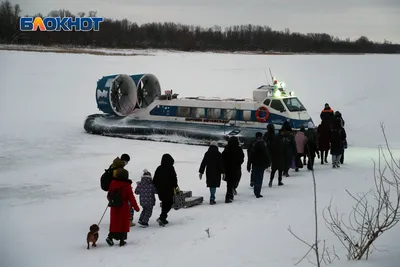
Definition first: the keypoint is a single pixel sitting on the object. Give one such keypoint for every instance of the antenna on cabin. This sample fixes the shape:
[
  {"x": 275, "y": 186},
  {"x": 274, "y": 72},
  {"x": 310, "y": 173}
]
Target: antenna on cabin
[
  {"x": 266, "y": 77},
  {"x": 272, "y": 77}
]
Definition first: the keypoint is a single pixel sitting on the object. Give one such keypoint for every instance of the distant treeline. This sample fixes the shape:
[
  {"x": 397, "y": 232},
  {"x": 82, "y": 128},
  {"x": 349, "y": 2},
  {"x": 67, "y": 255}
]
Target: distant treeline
[{"x": 125, "y": 34}]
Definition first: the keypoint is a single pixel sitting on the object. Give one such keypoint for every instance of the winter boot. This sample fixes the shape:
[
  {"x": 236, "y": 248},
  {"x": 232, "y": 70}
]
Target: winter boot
[
  {"x": 212, "y": 202},
  {"x": 280, "y": 183},
  {"x": 109, "y": 241},
  {"x": 162, "y": 222},
  {"x": 122, "y": 243},
  {"x": 270, "y": 183},
  {"x": 142, "y": 224}
]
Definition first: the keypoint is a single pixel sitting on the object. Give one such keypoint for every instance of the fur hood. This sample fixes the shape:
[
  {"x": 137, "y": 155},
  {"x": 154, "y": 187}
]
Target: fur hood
[{"x": 118, "y": 163}]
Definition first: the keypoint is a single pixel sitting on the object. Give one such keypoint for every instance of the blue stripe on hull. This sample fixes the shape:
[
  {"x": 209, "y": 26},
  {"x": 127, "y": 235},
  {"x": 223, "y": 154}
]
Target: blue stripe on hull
[{"x": 172, "y": 111}]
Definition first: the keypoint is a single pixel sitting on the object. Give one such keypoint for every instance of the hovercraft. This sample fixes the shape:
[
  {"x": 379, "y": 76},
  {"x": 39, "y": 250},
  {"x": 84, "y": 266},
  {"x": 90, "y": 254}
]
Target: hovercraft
[{"x": 135, "y": 108}]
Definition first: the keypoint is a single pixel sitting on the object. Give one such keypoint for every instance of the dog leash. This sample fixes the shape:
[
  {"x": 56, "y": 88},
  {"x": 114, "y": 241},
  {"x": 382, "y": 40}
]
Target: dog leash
[{"x": 103, "y": 215}]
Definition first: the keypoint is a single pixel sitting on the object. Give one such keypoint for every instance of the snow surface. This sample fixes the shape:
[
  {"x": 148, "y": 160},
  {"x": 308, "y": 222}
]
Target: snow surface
[{"x": 50, "y": 168}]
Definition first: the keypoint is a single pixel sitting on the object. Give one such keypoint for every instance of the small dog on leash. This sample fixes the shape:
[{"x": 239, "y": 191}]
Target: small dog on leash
[{"x": 93, "y": 235}]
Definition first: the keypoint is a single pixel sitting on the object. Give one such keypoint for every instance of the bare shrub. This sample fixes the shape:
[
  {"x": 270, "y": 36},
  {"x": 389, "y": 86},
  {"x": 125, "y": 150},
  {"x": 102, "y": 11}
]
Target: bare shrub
[
  {"x": 373, "y": 213},
  {"x": 323, "y": 255}
]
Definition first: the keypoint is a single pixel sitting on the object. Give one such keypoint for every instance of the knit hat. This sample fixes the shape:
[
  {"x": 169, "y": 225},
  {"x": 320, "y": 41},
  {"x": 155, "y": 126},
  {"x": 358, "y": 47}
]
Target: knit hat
[
  {"x": 146, "y": 173},
  {"x": 214, "y": 143},
  {"x": 310, "y": 125},
  {"x": 125, "y": 157},
  {"x": 259, "y": 135}
]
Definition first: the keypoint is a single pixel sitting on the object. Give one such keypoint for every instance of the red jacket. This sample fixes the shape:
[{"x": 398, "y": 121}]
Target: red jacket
[{"x": 119, "y": 216}]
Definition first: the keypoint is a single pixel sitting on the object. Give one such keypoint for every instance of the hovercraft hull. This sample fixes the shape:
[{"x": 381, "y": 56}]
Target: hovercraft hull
[
  {"x": 135, "y": 108},
  {"x": 196, "y": 134}
]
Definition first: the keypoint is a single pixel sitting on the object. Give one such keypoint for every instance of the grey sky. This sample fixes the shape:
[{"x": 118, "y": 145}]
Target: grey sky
[{"x": 376, "y": 19}]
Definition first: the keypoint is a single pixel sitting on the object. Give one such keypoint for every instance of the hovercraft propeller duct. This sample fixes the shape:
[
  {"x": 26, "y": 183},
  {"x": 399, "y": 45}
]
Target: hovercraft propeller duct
[{"x": 122, "y": 94}]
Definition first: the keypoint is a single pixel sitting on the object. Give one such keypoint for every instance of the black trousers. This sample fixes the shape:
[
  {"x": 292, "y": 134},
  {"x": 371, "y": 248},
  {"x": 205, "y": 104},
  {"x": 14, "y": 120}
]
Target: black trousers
[
  {"x": 324, "y": 155},
  {"x": 230, "y": 185},
  {"x": 310, "y": 163},
  {"x": 273, "y": 171},
  {"x": 167, "y": 203},
  {"x": 118, "y": 236}
]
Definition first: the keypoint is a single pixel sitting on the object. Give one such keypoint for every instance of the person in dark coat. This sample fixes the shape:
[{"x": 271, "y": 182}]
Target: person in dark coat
[
  {"x": 290, "y": 150},
  {"x": 338, "y": 136},
  {"x": 166, "y": 182},
  {"x": 338, "y": 115},
  {"x": 278, "y": 160},
  {"x": 249, "y": 151},
  {"x": 324, "y": 136},
  {"x": 269, "y": 135},
  {"x": 286, "y": 126},
  {"x": 214, "y": 163},
  {"x": 258, "y": 161},
  {"x": 119, "y": 216},
  {"x": 233, "y": 159},
  {"x": 312, "y": 148},
  {"x": 327, "y": 114}
]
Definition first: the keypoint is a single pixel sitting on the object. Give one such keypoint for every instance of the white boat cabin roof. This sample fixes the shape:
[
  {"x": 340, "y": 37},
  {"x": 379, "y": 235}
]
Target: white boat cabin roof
[{"x": 260, "y": 94}]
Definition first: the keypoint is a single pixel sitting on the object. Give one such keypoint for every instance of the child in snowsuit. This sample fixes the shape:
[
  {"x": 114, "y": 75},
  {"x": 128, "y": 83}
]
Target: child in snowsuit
[
  {"x": 146, "y": 191},
  {"x": 131, "y": 213}
]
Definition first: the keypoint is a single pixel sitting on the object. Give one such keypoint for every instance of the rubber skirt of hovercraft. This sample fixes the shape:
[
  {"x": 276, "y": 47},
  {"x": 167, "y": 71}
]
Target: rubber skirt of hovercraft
[{"x": 125, "y": 127}]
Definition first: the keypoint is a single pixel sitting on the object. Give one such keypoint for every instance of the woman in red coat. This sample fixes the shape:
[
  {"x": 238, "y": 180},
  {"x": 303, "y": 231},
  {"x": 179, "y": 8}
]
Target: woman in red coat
[{"x": 120, "y": 216}]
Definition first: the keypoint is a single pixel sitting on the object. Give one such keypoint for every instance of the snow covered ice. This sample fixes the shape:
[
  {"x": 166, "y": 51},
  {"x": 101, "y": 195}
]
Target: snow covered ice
[{"x": 50, "y": 168}]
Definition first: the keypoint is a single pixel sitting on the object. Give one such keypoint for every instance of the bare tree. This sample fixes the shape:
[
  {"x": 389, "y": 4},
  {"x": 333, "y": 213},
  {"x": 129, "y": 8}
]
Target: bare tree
[
  {"x": 323, "y": 255},
  {"x": 374, "y": 212}
]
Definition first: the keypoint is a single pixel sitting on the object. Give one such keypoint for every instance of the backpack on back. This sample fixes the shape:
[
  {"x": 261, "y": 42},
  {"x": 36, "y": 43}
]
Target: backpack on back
[
  {"x": 115, "y": 198},
  {"x": 106, "y": 178}
]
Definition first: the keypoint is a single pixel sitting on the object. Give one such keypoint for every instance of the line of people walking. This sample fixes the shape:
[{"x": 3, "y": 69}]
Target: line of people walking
[{"x": 281, "y": 152}]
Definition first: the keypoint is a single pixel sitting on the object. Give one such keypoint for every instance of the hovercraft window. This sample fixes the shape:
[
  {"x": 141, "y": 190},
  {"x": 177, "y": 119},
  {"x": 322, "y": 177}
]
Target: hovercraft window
[
  {"x": 183, "y": 112},
  {"x": 198, "y": 113},
  {"x": 277, "y": 105},
  {"x": 214, "y": 113},
  {"x": 229, "y": 114},
  {"x": 267, "y": 102},
  {"x": 294, "y": 104},
  {"x": 246, "y": 115}
]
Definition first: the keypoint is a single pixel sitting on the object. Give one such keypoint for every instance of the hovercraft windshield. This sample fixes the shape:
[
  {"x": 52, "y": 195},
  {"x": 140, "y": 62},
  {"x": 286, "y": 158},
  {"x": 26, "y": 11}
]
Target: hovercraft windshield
[{"x": 293, "y": 104}]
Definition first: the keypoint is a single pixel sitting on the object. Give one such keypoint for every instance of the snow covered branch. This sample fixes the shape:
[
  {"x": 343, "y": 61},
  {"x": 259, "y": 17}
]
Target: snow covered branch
[
  {"x": 373, "y": 213},
  {"x": 326, "y": 257}
]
